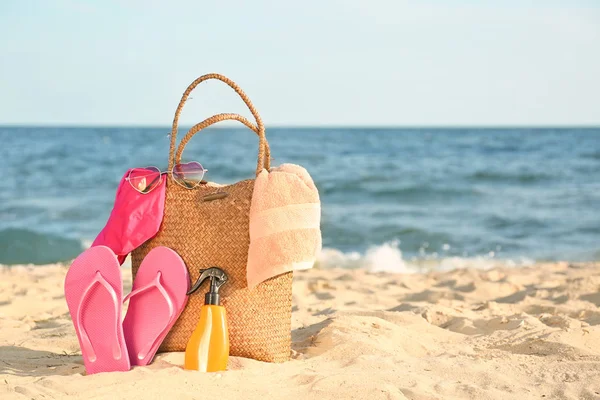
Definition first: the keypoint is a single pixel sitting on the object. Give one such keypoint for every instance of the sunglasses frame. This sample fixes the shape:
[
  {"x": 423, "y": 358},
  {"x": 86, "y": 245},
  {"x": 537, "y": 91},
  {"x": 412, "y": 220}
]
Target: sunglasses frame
[{"x": 161, "y": 173}]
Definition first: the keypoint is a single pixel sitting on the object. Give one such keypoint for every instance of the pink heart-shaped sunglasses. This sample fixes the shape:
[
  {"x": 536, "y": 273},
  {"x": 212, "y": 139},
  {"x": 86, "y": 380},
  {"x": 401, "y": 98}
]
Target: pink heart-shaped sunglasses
[{"x": 188, "y": 175}]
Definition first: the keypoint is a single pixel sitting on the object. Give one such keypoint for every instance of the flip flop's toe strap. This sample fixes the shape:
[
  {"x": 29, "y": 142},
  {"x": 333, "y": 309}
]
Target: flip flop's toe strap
[
  {"x": 86, "y": 344},
  {"x": 154, "y": 284}
]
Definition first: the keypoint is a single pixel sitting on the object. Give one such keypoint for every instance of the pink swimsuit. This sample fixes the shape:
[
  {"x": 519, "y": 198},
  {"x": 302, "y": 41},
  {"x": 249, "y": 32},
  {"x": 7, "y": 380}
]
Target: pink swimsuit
[{"x": 134, "y": 219}]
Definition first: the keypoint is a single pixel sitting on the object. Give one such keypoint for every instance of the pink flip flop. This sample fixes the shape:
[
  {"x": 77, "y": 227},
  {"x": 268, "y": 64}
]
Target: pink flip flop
[
  {"x": 157, "y": 298},
  {"x": 94, "y": 292}
]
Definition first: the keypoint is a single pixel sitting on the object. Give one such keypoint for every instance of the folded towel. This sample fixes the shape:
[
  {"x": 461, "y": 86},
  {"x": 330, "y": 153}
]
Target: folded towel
[{"x": 285, "y": 217}]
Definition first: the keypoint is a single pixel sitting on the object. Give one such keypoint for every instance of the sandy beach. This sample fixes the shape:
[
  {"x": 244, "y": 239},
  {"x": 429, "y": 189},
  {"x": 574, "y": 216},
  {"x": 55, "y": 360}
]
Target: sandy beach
[{"x": 505, "y": 333}]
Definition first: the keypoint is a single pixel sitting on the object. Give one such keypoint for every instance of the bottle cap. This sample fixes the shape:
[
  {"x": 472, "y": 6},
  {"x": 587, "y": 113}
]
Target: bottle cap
[{"x": 218, "y": 277}]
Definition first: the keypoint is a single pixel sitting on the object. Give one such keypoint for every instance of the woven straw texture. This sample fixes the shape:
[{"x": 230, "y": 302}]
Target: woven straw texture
[{"x": 216, "y": 233}]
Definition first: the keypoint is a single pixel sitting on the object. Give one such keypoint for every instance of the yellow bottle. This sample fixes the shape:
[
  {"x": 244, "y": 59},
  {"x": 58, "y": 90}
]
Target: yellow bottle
[{"x": 208, "y": 347}]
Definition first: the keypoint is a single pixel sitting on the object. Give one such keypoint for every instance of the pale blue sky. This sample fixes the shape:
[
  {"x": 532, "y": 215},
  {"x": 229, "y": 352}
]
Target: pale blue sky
[{"x": 311, "y": 62}]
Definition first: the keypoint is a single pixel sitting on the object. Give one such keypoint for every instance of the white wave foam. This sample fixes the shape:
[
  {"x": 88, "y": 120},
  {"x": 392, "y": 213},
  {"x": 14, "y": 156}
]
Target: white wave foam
[
  {"x": 384, "y": 258},
  {"x": 388, "y": 258}
]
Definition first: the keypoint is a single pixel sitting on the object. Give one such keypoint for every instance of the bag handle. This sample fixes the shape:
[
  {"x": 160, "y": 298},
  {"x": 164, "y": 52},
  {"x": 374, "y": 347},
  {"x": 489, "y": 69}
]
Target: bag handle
[
  {"x": 264, "y": 152},
  {"x": 259, "y": 128}
]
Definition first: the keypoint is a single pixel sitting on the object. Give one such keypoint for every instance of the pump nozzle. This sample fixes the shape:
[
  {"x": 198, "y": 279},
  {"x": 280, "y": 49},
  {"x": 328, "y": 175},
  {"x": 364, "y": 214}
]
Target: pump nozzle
[{"x": 218, "y": 277}]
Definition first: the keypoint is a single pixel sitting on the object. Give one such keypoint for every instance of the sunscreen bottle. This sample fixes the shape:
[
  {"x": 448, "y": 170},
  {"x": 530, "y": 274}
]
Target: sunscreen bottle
[{"x": 208, "y": 347}]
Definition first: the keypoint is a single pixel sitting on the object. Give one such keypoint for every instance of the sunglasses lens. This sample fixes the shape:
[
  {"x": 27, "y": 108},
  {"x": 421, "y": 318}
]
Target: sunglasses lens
[
  {"x": 188, "y": 175},
  {"x": 144, "y": 179}
]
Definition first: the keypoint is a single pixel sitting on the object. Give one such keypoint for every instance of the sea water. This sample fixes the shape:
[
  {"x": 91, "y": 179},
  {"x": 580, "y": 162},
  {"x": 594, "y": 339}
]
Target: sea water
[{"x": 392, "y": 199}]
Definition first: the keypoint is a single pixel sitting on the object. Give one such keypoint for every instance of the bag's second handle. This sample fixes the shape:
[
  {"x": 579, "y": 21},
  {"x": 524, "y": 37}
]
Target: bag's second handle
[
  {"x": 263, "y": 162},
  {"x": 264, "y": 153}
]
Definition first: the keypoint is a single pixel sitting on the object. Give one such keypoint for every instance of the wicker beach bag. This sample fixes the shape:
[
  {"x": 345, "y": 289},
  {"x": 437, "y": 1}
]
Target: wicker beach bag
[{"x": 209, "y": 230}]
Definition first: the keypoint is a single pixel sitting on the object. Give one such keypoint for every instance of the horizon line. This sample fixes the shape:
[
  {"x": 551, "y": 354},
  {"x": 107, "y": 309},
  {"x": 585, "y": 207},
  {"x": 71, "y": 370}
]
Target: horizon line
[{"x": 308, "y": 126}]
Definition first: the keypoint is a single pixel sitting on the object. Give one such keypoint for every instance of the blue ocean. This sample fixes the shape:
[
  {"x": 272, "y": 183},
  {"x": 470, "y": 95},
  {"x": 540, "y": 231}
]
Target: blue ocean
[{"x": 393, "y": 199}]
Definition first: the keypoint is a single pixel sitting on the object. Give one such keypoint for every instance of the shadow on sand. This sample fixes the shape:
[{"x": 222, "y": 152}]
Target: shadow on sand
[{"x": 22, "y": 361}]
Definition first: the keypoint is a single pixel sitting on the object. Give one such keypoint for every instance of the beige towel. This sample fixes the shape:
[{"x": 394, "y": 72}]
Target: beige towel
[{"x": 285, "y": 218}]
